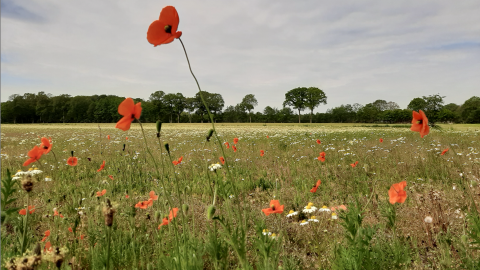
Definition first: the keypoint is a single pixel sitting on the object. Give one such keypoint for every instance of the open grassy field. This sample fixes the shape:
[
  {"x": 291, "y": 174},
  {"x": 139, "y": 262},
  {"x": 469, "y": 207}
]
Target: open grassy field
[{"x": 435, "y": 228}]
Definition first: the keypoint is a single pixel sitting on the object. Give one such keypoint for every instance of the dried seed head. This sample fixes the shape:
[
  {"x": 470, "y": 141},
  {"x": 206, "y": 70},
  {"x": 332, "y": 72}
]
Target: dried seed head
[
  {"x": 428, "y": 219},
  {"x": 27, "y": 184},
  {"x": 108, "y": 212}
]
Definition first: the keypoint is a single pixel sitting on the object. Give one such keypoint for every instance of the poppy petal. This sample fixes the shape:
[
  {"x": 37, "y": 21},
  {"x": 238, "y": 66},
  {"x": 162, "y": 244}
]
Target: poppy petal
[
  {"x": 156, "y": 34},
  {"x": 138, "y": 110},
  {"x": 170, "y": 16},
  {"x": 126, "y": 107},
  {"x": 124, "y": 123}
]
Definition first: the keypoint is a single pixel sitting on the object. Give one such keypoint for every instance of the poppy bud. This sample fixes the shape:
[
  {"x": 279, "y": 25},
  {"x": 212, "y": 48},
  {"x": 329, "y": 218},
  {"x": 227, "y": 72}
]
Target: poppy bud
[
  {"x": 123, "y": 147},
  {"x": 210, "y": 211},
  {"x": 71, "y": 153},
  {"x": 159, "y": 126},
  {"x": 210, "y": 133},
  {"x": 167, "y": 147},
  {"x": 185, "y": 208}
]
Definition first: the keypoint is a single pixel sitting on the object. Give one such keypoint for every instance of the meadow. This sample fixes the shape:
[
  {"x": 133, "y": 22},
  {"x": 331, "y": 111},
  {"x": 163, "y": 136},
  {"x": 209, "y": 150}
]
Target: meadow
[{"x": 211, "y": 215}]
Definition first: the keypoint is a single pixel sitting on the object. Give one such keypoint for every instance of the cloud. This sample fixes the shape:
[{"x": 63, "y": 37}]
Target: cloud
[{"x": 355, "y": 52}]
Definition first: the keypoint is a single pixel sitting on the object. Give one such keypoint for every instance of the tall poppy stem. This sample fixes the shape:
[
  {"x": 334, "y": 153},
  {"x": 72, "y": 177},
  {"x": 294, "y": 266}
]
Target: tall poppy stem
[
  {"x": 24, "y": 238},
  {"x": 206, "y": 107}
]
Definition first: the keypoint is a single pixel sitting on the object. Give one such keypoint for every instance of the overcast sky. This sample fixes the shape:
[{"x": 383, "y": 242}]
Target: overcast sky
[{"x": 355, "y": 51}]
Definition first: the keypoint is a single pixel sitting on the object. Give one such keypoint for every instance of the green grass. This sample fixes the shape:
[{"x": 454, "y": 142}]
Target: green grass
[{"x": 437, "y": 186}]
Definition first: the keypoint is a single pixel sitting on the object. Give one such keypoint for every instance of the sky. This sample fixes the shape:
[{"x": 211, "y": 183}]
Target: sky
[{"x": 355, "y": 51}]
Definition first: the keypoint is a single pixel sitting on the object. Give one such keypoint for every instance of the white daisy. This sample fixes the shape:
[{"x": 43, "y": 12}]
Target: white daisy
[
  {"x": 292, "y": 213},
  {"x": 266, "y": 232},
  {"x": 309, "y": 208},
  {"x": 334, "y": 215},
  {"x": 274, "y": 236},
  {"x": 303, "y": 223},
  {"x": 324, "y": 209},
  {"x": 313, "y": 219},
  {"x": 48, "y": 179}
]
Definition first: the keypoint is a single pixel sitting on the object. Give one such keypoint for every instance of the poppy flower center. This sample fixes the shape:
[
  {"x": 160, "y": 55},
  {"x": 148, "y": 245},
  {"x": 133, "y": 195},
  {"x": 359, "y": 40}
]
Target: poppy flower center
[
  {"x": 272, "y": 206},
  {"x": 420, "y": 122},
  {"x": 168, "y": 29},
  {"x": 133, "y": 116}
]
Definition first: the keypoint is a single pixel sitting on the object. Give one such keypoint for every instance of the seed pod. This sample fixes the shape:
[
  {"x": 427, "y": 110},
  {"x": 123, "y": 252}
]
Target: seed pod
[
  {"x": 210, "y": 211},
  {"x": 167, "y": 147}
]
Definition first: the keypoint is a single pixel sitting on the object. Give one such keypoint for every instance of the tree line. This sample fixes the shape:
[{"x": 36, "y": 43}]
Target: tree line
[{"x": 175, "y": 107}]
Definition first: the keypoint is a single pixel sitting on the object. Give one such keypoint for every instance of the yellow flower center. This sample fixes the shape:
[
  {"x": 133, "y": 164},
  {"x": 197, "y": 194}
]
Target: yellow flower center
[
  {"x": 313, "y": 217},
  {"x": 272, "y": 206},
  {"x": 19, "y": 170},
  {"x": 310, "y": 204},
  {"x": 265, "y": 230},
  {"x": 291, "y": 211},
  {"x": 273, "y": 235},
  {"x": 308, "y": 207},
  {"x": 333, "y": 214},
  {"x": 324, "y": 207},
  {"x": 31, "y": 169}
]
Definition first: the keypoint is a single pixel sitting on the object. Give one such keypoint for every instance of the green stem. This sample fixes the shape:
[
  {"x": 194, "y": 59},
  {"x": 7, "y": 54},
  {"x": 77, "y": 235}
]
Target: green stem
[
  {"x": 109, "y": 236},
  {"x": 24, "y": 238}
]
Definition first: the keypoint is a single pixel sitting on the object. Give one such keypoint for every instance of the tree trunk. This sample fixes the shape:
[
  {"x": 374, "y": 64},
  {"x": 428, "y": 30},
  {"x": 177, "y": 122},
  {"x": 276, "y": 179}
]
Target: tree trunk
[
  {"x": 299, "y": 116},
  {"x": 178, "y": 118},
  {"x": 311, "y": 114}
]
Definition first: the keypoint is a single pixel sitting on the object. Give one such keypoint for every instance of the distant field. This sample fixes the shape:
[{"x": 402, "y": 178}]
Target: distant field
[{"x": 438, "y": 186}]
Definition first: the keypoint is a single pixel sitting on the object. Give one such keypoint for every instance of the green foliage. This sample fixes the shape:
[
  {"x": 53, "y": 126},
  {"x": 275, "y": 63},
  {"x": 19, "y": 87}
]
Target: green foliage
[{"x": 8, "y": 189}]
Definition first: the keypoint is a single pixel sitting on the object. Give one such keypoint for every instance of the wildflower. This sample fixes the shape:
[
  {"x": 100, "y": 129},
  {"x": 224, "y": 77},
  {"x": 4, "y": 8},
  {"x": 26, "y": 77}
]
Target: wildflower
[
  {"x": 108, "y": 137},
  {"x": 48, "y": 179},
  {"x": 55, "y": 213},
  {"x": 47, "y": 234},
  {"x": 235, "y": 140},
  {"x": 273, "y": 236},
  {"x": 397, "y": 194},
  {"x": 46, "y": 145},
  {"x": 101, "y": 166},
  {"x": 314, "y": 188},
  {"x": 444, "y": 151},
  {"x": 70, "y": 229},
  {"x": 303, "y": 222},
  {"x": 319, "y": 142},
  {"x": 144, "y": 204},
  {"x": 354, "y": 164},
  {"x": 321, "y": 157},
  {"x": 48, "y": 247},
  {"x": 130, "y": 111},
  {"x": 234, "y": 148},
  {"x": 126, "y": 138},
  {"x": 324, "y": 209},
  {"x": 334, "y": 215},
  {"x": 342, "y": 207},
  {"x": 101, "y": 193},
  {"x": 381, "y": 140},
  {"x": 126, "y": 196},
  {"x": 176, "y": 162},
  {"x": 420, "y": 123},
  {"x": 35, "y": 154},
  {"x": 153, "y": 196},
  {"x": 275, "y": 208},
  {"x": 266, "y": 232},
  {"x": 72, "y": 161},
  {"x": 164, "y": 30},
  {"x": 171, "y": 215},
  {"x": 215, "y": 167},
  {"x": 313, "y": 219},
  {"x": 262, "y": 153},
  {"x": 31, "y": 209},
  {"x": 292, "y": 213},
  {"x": 227, "y": 145},
  {"x": 111, "y": 177},
  {"x": 268, "y": 137},
  {"x": 309, "y": 208},
  {"x": 428, "y": 219},
  {"x": 222, "y": 160}
]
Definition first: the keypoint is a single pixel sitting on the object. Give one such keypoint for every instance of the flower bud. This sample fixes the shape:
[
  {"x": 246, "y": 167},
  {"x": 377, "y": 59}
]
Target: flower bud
[
  {"x": 167, "y": 147},
  {"x": 210, "y": 211},
  {"x": 185, "y": 208},
  {"x": 157, "y": 215},
  {"x": 210, "y": 134},
  {"x": 159, "y": 128}
]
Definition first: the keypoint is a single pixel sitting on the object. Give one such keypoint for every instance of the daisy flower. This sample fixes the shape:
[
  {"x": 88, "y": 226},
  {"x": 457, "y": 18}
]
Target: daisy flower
[
  {"x": 292, "y": 213},
  {"x": 273, "y": 236},
  {"x": 324, "y": 209},
  {"x": 313, "y": 219},
  {"x": 334, "y": 215},
  {"x": 309, "y": 208},
  {"x": 303, "y": 223},
  {"x": 266, "y": 232}
]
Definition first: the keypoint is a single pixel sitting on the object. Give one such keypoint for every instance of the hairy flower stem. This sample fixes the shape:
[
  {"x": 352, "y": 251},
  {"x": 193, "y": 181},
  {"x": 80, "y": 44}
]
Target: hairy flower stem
[
  {"x": 24, "y": 236},
  {"x": 208, "y": 110},
  {"x": 146, "y": 146}
]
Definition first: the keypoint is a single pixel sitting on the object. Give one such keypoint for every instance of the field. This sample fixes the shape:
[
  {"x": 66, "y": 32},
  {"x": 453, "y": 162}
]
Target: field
[{"x": 437, "y": 227}]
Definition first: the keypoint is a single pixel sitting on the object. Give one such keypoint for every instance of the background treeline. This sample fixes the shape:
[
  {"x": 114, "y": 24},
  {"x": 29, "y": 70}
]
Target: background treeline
[{"x": 170, "y": 107}]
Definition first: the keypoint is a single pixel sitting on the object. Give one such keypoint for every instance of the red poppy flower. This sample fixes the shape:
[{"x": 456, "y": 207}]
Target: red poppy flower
[
  {"x": 354, "y": 164},
  {"x": 397, "y": 194},
  {"x": 164, "y": 223},
  {"x": 72, "y": 161},
  {"x": 420, "y": 123},
  {"x": 234, "y": 148},
  {"x": 130, "y": 111},
  {"x": 31, "y": 209},
  {"x": 235, "y": 140},
  {"x": 46, "y": 145},
  {"x": 319, "y": 142},
  {"x": 148, "y": 202},
  {"x": 70, "y": 229},
  {"x": 108, "y": 137},
  {"x": 444, "y": 151},
  {"x": 153, "y": 196},
  {"x": 101, "y": 193},
  {"x": 176, "y": 162},
  {"x": 47, "y": 234},
  {"x": 314, "y": 188},
  {"x": 222, "y": 160},
  {"x": 172, "y": 214},
  {"x": 268, "y": 137},
  {"x": 126, "y": 138},
  {"x": 342, "y": 207},
  {"x": 381, "y": 140},
  {"x": 164, "y": 30},
  {"x": 227, "y": 145},
  {"x": 321, "y": 157},
  {"x": 48, "y": 247},
  {"x": 111, "y": 177},
  {"x": 142, "y": 205},
  {"x": 55, "y": 213},
  {"x": 126, "y": 196},
  {"x": 262, "y": 153},
  {"x": 82, "y": 237},
  {"x": 275, "y": 208},
  {"x": 35, "y": 154},
  {"x": 101, "y": 166}
]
